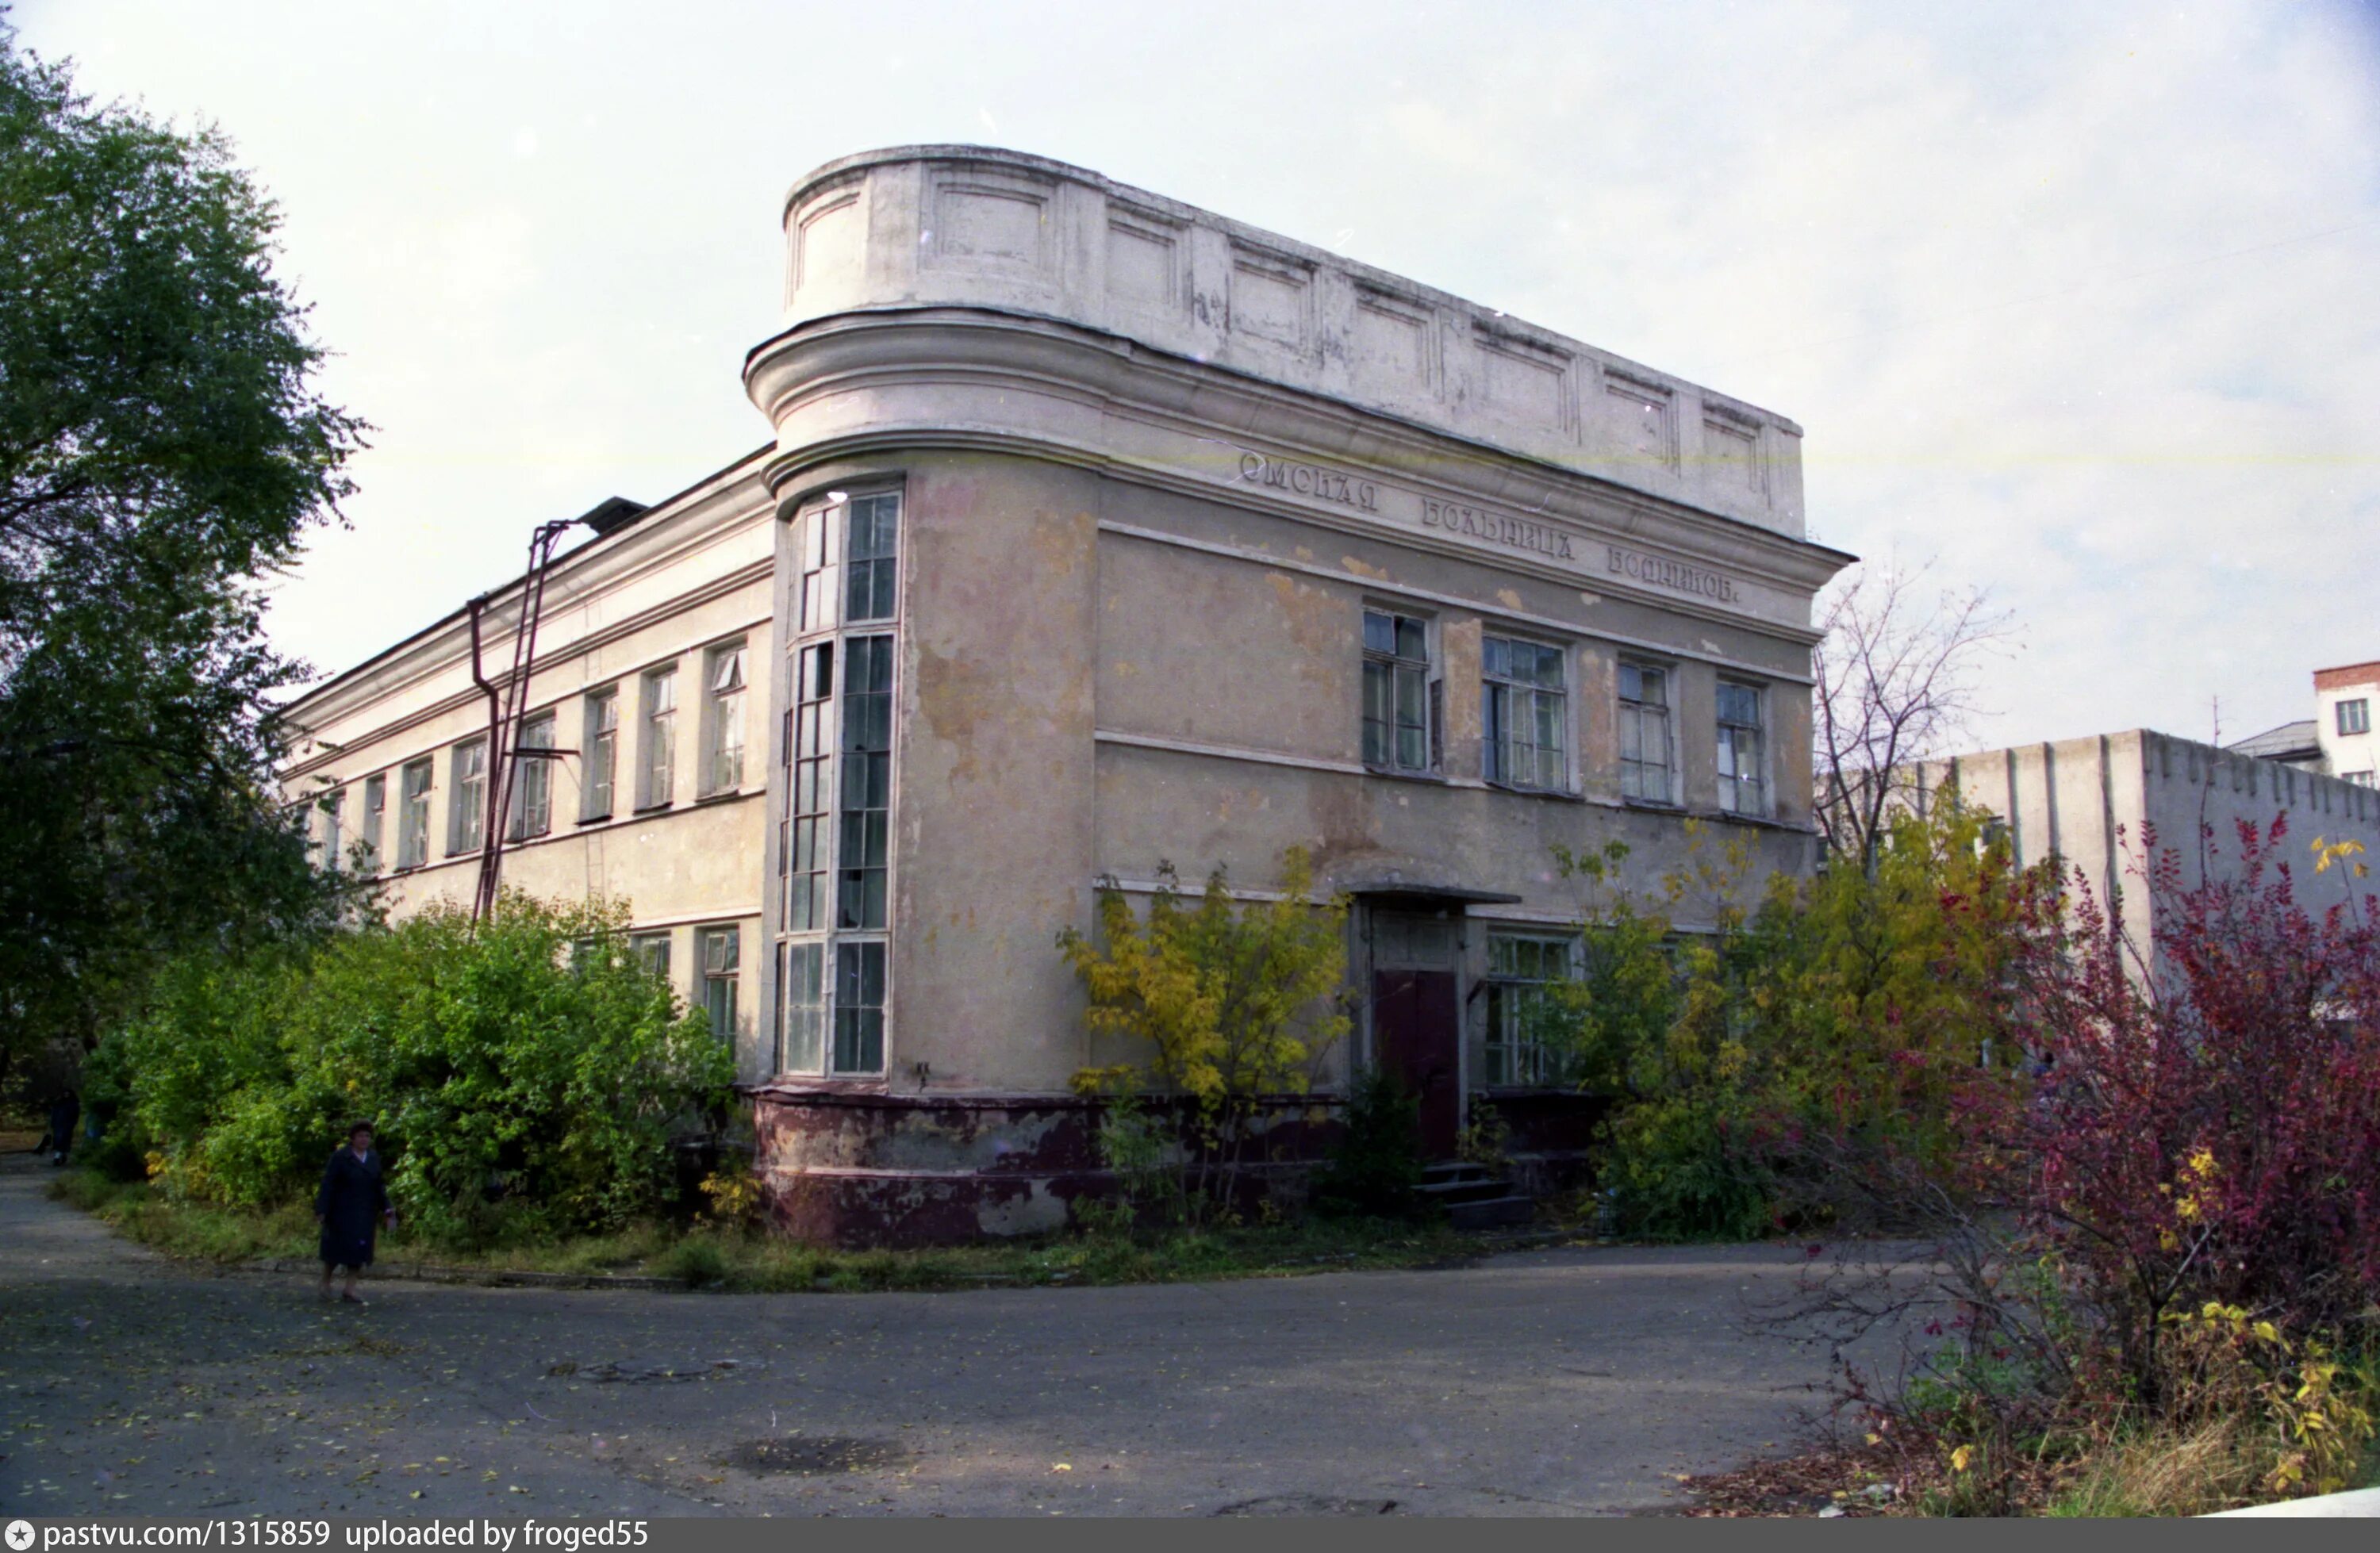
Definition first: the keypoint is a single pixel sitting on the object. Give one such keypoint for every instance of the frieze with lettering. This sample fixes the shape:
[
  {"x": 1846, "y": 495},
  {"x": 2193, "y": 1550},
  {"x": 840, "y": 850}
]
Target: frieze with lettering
[
  {"x": 1676, "y": 574},
  {"x": 1495, "y": 528},
  {"x": 1307, "y": 479}
]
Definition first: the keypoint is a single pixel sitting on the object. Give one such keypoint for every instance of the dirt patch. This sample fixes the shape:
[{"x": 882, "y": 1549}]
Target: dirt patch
[{"x": 812, "y": 1454}]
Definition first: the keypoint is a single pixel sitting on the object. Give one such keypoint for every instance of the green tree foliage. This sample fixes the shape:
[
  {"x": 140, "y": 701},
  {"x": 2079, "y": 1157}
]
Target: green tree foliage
[
  {"x": 1845, "y": 1013},
  {"x": 162, "y": 446},
  {"x": 1231, "y": 1001},
  {"x": 526, "y": 1076}
]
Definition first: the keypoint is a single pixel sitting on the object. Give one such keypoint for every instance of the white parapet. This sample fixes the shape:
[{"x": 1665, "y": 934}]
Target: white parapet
[{"x": 971, "y": 227}]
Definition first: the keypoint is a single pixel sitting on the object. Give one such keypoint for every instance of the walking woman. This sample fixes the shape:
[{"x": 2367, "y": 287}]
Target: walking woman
[{"x": 352, "y": 1205}]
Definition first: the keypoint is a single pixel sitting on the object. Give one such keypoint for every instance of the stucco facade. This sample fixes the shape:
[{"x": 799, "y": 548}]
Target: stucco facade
[
  {"x": 2108, "y": 806},
  {"x": 1098, "y": 533}
]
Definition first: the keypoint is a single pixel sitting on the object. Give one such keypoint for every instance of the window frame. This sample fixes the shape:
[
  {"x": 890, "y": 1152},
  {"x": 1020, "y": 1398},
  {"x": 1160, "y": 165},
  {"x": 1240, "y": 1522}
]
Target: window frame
[
  {"x": 1500, "y": 689},
  {"x": 1391, "y": 664},
  {"x": 838, "y": 762},
  {"x": 370, "y": 823},
  {"x": 599, "y": 770},
  {"x": 1728, "y": 738},
  {"x": 1634, "y": 708},
  {"x": 466, "y": 795},
  {"x": 657, "y": 736},
  {"x": 723, "y": 724},
  {"x": 413, "y": 812},
  {"x": 641, "y": 946},
  {"x": 1507, "y": 997},
  {"x": 2360, "y": 706},
  {"x": 333, "y": 806},
  {"x": 714, "y": 976},
  {"x": 528, "y": 799}
]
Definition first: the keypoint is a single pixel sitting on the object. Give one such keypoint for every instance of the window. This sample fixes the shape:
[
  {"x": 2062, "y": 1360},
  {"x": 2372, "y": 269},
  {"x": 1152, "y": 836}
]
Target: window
[
  {"x": 802, "y": 852},
  {"x": 332, "y": 804},
  {"x": 1526, "y": 713},
  {"x": 859, "y": 1008},
  {"x": 2359, "y": 779},
  {"x": 467, "y": 799},
  {"x": 661, "y": 737},
  {"x": 1396, "y": 692},
  {"x": 375, "y": 808},
  {"x": 1521, "y": 972},
  {"x": 1740, "y": 764},
  {"x": 532, "y": 796},
  {"x": 413, "y": 818},
  {"x": 802, "y": 1044},
  {"x": 2355, "y": 717},
  {"x": 722, "y": 764},
  {"x": 816, "y": 604},
  {"x": 723, "y": 956},
  {"x": 866, "y": 809},
  {"x": 651, "y": 951},
  {"x": 870, "y": 563},
  {"x": 1645, "y": 763},
  {"x": 602, "y": 742}
]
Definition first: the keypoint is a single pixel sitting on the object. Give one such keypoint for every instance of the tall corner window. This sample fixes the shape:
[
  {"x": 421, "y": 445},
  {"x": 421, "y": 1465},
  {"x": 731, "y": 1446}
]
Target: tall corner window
[
  {"x": 723, "y": 961},
  {"x": 1647, "y": 770},
  {"x": 1522, "y": 971},
  {"x": 1743, "y": 788},
  {"x": 809, "y": 750},
  {"x": 531, "y": 799},
  {"x": 2355, "y": 717},
  {"x": 1396, "y": 692},
  {"x": 801, "y": 1038},
  {"x": 859, "y": 1008},
  {"x": 332, "y": 805},
  {"x": 413, "y": 815},
  {"x": 466, "y": 795},
  {"x": 659, "y": 760},
  {"x": 863, "y": 842},
  {"x": 872, "y": 557},
  {"x": 600, "y": 739},
  {"x": 368, "y": 831},
  {"x": 723, "y": 757},
  {"x": 1527, "y": 714}
]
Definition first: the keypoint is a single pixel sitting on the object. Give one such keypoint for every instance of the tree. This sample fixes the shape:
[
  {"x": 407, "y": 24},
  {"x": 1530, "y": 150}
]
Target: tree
[
  {"x": 1894, "y": 684},
  {"x": 1236, "y": 1001},
  {"x": 163, "y": 446}
]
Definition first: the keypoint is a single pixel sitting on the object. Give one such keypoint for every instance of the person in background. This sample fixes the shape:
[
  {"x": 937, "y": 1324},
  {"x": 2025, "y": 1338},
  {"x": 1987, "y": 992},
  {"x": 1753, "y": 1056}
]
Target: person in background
[
  {"x": 352, "y": 1205},
  {"x": 65, "y": 1111}
]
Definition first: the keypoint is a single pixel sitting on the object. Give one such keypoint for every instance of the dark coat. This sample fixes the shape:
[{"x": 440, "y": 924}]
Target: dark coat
[{"x": 351, "y": 1202}]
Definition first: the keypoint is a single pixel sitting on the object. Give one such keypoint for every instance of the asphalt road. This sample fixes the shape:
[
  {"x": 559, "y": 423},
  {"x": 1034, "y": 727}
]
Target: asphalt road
[{"x": 1554, "y": 1382}]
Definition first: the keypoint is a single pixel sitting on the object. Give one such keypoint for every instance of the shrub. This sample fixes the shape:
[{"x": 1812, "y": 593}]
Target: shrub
[
  {"x": 1231, "y": 1002},
  {"x": 1375, "y": 1169},
  {"x": 525, "y": 1076}
]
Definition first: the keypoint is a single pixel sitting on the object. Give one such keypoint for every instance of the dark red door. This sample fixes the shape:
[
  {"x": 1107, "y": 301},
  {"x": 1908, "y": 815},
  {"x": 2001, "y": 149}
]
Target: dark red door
[{"x": 1413, "y": 1025}]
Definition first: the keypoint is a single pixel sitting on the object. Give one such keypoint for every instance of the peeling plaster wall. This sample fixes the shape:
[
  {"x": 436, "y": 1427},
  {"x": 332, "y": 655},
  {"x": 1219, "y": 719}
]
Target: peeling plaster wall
[{"x": 993, "y": 829}]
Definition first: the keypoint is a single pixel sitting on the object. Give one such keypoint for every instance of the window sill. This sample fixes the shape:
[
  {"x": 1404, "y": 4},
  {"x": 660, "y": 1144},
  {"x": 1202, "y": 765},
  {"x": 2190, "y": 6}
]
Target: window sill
[
  {"x": 722, "y": 794},
  {"x": 1564, "y": 795},
  {"x": 603, "y": 819},
  {"x": 665, "y": 804},
  {"x": 1653, "y": 805},
  {"x": 1398, "y": 773}
]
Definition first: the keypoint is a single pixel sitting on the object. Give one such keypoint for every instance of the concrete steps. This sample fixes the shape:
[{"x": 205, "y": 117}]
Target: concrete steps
[{"x": 1473, "y": 1198}]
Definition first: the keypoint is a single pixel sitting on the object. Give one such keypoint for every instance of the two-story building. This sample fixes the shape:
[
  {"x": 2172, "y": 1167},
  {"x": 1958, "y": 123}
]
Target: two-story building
[{"x": 1100, "y": 532}]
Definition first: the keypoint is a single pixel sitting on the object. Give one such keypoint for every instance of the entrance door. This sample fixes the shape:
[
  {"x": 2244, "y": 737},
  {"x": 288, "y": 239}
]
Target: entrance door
[{"x": 1416, "y": 1034}]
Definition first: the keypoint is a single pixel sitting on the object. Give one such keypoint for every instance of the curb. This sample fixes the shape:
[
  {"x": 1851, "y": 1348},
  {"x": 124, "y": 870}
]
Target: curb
[{"x": 509, "y": 1277}]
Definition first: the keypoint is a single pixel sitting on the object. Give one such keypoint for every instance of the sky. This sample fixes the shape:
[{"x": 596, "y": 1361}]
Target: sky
[{"x": 2077, "y": 303}]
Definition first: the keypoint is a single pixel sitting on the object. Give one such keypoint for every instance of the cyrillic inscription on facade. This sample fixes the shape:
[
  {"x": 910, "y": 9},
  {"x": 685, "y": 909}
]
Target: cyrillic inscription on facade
[
  {"x": 1677, "y": 575},
  {"x": 1495, "y": 528},
  {"x": 1305, "y": 480}
]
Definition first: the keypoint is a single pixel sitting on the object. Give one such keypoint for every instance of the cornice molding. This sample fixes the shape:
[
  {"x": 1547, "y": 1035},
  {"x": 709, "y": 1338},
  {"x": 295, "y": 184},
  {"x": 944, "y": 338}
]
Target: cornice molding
[{"x": 1005, "y": 366}]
